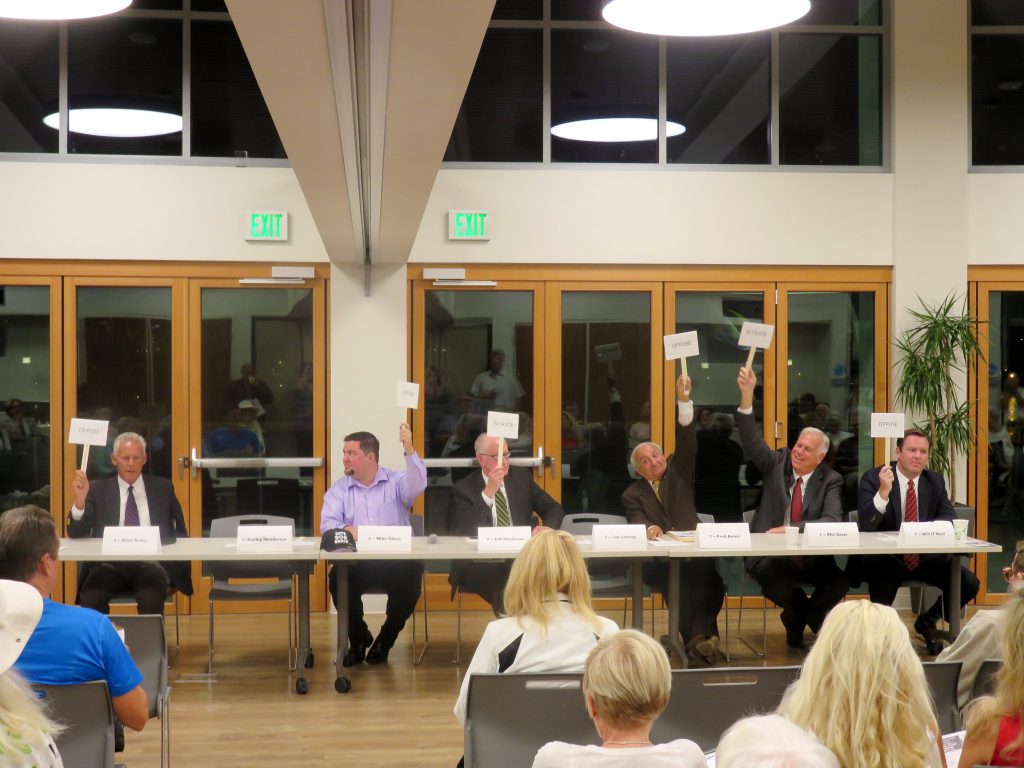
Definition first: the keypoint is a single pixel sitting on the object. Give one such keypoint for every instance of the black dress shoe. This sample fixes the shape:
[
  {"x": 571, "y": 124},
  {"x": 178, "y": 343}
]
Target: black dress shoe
[
  {"x": 378, "y": 654},
  {"x": 356, "y": 653},
  {"x": 926, "y": 628},
  {"x": 795, "y": 637}
]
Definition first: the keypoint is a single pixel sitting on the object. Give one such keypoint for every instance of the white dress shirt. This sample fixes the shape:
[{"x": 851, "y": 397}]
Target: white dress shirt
[{"x": 903, "y": 480}]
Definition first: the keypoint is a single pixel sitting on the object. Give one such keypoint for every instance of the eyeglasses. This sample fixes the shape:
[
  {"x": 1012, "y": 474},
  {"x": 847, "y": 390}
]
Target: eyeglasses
[{"x": 494, "y": 456}]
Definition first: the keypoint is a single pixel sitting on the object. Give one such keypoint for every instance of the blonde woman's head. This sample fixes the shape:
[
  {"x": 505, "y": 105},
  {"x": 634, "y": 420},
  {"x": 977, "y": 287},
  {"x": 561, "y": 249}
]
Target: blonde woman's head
[
  {"x": 549, "y": 565},
  {"x": 627, "y": 680},
  {"x": 862, "y": 690}
]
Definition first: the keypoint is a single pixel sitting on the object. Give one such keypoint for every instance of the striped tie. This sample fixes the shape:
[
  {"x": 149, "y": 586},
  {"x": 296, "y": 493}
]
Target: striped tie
[
  {"x": 911, "y": 561},
  {"x": 501, "y": 507},
  {"x": 131, "y": 508}
]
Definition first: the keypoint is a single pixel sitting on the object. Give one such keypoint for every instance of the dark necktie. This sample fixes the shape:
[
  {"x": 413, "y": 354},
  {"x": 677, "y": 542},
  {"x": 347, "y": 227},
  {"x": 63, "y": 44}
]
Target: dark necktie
[
  {"x": 911, "y": 561},
  {"x": 131, "y": 508},
  {"x": 501, "y": 507},
  {"x": 796, "y": 505}
]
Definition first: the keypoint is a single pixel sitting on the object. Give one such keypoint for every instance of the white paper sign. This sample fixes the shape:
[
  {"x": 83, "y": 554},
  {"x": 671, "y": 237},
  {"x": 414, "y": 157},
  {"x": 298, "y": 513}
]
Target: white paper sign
[
  {"x": 681, "y": 345},
  {"x": 408, "y": 394},
  {"x": 88, "y": 432},
  {"x": 619, "y": 536},
  {"x": 500, "y": 424},
  {"x": 831, "y": 535},
  {"x": 938, "y": 533},
  {"x": 131, "y": 539},
  {"x": 503, "y": 538},
  {"x": 723, "y": 536},
  {"x": 756, "y": 335},
  {"x": 887, "y": 424},
  {"x": 264, "y": 538},
  {"x": 384, "y": 538}
]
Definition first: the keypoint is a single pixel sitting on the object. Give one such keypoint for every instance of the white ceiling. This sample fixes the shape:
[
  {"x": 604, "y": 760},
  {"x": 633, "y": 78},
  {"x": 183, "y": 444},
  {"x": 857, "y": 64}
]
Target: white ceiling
[{"x": 364, "y": 94}]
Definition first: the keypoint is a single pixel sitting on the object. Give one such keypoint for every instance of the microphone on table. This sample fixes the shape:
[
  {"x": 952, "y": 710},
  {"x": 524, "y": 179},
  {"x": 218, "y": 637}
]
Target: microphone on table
[{"x": 432, "y": 538}]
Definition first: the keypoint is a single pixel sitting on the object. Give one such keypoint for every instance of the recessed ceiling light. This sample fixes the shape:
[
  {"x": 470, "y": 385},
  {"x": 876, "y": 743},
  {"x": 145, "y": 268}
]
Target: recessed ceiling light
[
  {"x": 702, "y": 17},
  {"x": 54, "y": 10},
  {"x": 615, "y": 129},
  {"x": 118, "y": 123}
]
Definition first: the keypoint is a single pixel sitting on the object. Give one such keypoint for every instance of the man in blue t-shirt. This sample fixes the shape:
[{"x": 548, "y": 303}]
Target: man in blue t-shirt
[{"x": 70, "y": 645}]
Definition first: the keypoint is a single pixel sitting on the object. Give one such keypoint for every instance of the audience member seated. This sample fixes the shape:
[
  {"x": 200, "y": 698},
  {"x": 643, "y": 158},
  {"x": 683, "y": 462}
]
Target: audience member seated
[
  {"x": 551, "y": 625},
  {"x": 771, "y": 741},
  {"x": 626, "y": 685},
  {"x": 863, "y": 693},
  {"x": 994, "y": 733},
  {"x": 981, "y": 637},
  {"x": 25, "y": 732}
]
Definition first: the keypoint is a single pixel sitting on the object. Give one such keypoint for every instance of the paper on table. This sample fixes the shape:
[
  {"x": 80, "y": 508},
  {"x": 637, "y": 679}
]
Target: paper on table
[{"x": 666, "y": 542}]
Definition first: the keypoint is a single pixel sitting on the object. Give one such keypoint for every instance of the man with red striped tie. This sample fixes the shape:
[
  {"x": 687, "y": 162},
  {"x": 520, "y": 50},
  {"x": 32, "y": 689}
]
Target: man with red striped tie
[{"x": 906, "y": 490}]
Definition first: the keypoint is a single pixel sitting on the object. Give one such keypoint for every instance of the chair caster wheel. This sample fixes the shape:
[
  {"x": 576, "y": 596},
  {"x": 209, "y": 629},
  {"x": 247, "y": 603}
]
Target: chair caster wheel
[
  {"x": 301, "y": 686},
  {"x": 343, "y": 685}
]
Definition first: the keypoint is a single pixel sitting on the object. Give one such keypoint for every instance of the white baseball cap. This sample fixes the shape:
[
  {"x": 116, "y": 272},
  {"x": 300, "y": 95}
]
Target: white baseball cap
[{"x": 21, "y": 605}]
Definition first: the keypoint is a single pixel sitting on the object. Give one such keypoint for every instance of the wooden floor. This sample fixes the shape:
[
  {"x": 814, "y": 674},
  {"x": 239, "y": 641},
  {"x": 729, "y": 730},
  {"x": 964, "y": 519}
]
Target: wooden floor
[{"x": 396, "y": 714}]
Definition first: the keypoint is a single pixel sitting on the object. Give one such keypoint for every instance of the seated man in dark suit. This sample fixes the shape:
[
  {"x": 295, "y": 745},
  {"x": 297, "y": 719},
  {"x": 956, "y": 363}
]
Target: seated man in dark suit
[
  {"x": 905, "y": 490},
  {"x": 130, "y": 498},
  {"x": 662, "y": 500},
  {"x": 497, "y": 495},
  {"x": 796, "y": 487}
]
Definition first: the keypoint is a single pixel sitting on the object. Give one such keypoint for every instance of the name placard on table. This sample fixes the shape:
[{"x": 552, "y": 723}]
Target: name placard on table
[
  {"x": 264, "y": 538},
  {"x": 502, "y": 538},
  {"x": 619, "y": 537},
  {"x": 831, "y": 535},
  {"x": 937, "y": 533},
  {"x": 723, "y": 536},
  {"x": 384, "y": 538},
  {"x": 131, "y": 540}
]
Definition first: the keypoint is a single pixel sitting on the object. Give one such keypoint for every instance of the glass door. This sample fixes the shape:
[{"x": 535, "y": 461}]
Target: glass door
[{"x": 256, "y": 434}]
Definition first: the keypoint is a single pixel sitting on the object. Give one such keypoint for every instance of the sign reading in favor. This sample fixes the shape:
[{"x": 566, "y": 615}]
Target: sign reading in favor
[
  {"x": 831, "y": 535},
  {"x": 937, "y": 533},
  {"x": 131, "y": 540},
  {"x": 723, "y": 536},
  {"x": 502, "y": 538},
  {"x": 264, "y": 538},
  {"x": 385, "y": 538},
  {"x": 501, "y": 424},
  {"x": 756, "y": 336},
  {"x": 408, "y": 394},
  {"x": 887, "y": 424},
  {"x": 619, "y": 536}
]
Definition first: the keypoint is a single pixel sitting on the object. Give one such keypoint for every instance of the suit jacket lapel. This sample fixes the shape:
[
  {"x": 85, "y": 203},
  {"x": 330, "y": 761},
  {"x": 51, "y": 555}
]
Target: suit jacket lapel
[{"x": 113, "y": 504}]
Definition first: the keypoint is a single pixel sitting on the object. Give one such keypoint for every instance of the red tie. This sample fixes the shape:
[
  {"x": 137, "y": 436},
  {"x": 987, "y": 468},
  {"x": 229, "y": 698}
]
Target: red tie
[
  {"x": 796, "y": 506},
  {"x": 911, "y": 561}
]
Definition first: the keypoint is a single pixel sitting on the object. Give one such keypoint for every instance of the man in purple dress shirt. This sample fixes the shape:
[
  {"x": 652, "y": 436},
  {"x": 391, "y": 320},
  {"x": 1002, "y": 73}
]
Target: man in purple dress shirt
[{"x": 369, "y": 494}]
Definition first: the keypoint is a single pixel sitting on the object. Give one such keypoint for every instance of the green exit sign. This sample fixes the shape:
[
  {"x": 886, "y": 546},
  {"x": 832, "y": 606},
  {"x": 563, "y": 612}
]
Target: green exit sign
[
  {"x": 266, "y": 225},
  {"x": 469, "y": 225}
]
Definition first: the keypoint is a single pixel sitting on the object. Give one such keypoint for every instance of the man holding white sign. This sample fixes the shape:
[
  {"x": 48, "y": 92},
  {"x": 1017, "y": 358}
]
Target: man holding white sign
[
  {"x": 662, "y": 500},
  {"x": 906, "y": 490},
  {"x": 497, "y": 495},
  {"x": 369, "y": 494},
  {"x": 129, "y": 499},
  {"x": 796, "y": 488}
]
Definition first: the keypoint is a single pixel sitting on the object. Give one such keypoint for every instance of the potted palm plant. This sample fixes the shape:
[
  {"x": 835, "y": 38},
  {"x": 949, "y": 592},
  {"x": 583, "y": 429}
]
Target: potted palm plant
[{"x": 941, "y": 343}]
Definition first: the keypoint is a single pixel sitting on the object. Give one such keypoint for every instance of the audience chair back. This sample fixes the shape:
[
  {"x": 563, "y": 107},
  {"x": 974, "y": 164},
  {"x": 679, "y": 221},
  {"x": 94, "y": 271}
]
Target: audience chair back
[
  {"x": 705, "y": 702},
  {"x": 86, "y": 711},
  {"x": 985, "y": 680},
  {"x": 144, "y": 636},
  {"x": 224, "y": 571},
  {"x": 943, "y": 678},
  {"x": 510, "y": 717}
]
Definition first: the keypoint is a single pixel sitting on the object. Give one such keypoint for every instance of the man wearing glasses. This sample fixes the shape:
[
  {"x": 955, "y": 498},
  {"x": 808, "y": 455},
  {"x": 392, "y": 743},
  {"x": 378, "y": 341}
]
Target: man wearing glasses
[{"x": 497, "y": 495}]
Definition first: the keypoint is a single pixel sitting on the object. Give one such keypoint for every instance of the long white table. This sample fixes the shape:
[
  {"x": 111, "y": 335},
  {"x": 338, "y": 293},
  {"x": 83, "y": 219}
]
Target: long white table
[
  {"x": 774, "y": 545},
  {"x": 303, "y": 558}
]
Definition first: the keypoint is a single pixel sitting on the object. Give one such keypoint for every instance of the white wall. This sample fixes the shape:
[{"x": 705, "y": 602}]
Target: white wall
[{"x": 61, "y": 210}]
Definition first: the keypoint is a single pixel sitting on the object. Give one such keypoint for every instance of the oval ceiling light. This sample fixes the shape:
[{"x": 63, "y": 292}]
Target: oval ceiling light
[
  {"x": 118, "y": 123},
  {"x": 55, "y": 10},
  {"x": 614, "y": 129},
  {"x": 702, "y": 17}
]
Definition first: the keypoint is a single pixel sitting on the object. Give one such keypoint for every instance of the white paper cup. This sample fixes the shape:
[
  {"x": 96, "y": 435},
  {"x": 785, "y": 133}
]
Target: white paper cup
[
  {"x": 960, "y": 530},
  {"x": 792, "y": 535}
]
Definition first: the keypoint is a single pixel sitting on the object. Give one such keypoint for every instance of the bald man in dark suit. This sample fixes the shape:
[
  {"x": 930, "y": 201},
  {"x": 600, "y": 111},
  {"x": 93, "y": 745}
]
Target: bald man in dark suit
[
  {"x": 797, "y": 487},
  {"x": 662, "y": 500}
]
